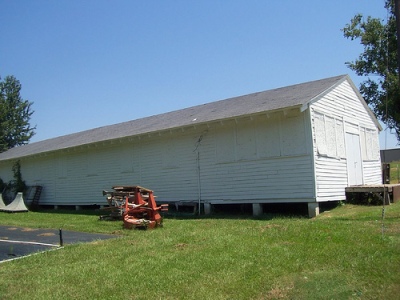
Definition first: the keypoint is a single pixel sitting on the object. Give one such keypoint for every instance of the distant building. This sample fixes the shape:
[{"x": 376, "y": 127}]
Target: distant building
[{"x": 390, "y": 155}]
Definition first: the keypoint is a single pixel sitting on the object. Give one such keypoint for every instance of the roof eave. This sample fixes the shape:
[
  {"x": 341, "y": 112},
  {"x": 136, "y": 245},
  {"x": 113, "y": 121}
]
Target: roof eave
[
  {"x": 369, "y": 110},
  {"x": 348, "y": 79}
]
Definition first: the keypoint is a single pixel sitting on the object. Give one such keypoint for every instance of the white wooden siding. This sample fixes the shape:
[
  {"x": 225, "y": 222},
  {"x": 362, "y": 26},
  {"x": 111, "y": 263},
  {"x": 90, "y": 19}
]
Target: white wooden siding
[
  {"x": 6, "y": 171},
  {"x": 258, "y": 159},
  {"x": 338, "y": 112}
]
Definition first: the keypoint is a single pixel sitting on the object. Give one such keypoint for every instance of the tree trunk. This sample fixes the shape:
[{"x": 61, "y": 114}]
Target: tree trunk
[{"x": 397, "y": 13}]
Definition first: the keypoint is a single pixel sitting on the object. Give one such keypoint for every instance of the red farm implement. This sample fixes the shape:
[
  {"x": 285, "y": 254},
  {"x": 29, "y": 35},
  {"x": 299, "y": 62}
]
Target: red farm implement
[{"x": 136, "y": 206}]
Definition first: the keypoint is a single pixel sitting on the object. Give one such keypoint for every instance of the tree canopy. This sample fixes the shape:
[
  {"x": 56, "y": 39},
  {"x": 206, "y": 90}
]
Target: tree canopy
[
  {"x": 15, "y": 114},
  {"x": 379, "y": 64}
]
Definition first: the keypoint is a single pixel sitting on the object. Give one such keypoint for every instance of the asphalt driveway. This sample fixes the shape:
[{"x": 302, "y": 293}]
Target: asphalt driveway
[{"x": 21, "y": 241}]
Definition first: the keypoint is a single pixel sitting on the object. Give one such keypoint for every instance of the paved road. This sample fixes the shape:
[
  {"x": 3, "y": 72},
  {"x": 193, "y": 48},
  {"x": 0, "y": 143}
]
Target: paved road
[{"x": 20, "y": 241}]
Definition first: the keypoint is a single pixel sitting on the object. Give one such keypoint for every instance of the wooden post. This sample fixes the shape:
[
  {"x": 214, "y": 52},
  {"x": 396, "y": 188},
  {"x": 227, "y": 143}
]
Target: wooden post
[
  {"x": 207, "y": 208},
  {"x": 257, "y": 209},
  {"x": 313, "y": 209}
]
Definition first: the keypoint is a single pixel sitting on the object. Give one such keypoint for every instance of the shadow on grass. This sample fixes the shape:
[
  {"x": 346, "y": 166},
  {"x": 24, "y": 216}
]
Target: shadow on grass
[
  {"x": 70, "y": 211},
  {"x": 245, "y": 211},
  {"x": 221, "y": 211}
]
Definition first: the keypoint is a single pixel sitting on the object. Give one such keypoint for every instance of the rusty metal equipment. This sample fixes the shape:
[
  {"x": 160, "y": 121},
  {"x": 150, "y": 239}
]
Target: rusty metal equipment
[
  {"x": 116, "y": 203},
  {"x": 136, "y": 206}
]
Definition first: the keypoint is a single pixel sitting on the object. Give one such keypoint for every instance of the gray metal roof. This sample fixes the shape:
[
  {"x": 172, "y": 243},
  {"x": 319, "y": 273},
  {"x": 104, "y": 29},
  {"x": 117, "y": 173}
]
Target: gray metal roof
[{"x": 271, "y": 100}]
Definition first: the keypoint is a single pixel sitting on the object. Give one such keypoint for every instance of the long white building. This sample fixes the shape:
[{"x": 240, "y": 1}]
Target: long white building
[{"x": 301, "y": 143}]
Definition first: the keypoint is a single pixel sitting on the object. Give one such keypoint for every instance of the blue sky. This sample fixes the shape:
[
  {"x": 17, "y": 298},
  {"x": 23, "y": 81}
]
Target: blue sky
[{"x": 92, "y": 63}]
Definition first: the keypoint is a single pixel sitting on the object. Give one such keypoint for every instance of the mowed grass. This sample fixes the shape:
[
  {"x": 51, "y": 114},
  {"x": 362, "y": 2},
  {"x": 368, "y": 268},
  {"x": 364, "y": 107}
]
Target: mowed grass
[
  {"x": 395, "y": 172},
  {"x": 345, "y": 253}
]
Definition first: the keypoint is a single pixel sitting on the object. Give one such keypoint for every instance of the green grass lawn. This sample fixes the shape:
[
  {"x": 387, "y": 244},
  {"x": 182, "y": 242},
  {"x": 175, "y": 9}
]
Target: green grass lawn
[
  {"x": 344, "y": 253},
  {"x": 395, "y": 172}
]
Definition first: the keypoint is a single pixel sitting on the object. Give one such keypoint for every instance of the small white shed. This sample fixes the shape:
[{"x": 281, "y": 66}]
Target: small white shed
[{"x": 301, "y": 143}]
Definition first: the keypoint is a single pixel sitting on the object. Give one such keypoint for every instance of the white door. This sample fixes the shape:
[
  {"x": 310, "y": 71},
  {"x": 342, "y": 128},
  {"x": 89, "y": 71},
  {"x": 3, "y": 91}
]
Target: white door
[{"x": 354, "y": 162}]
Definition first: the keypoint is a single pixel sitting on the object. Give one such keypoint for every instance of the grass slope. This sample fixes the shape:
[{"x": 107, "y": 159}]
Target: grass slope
[{"x": 345, "y": 253}]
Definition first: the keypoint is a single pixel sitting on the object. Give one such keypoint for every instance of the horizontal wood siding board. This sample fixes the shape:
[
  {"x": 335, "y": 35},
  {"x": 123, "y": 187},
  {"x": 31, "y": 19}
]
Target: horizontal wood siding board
[
  {"x": 6, "y": 173},
  {"x": 332, "y": 197},
  {"x": 372, "y": 173},
  {"x": 261, "y": 200}
]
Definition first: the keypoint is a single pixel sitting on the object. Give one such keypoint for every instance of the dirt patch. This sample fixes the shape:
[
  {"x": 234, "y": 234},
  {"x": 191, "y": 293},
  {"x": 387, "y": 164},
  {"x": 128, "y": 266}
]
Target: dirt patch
[
  {"x": 181, "y": 246},
  {"x": 279, "y": 292},
  {"x": 271, "y": 226},
  {"x": 28, "y": 229},
  {"x": 47, "y": 234},
  {"x": 392, "y": 229}
]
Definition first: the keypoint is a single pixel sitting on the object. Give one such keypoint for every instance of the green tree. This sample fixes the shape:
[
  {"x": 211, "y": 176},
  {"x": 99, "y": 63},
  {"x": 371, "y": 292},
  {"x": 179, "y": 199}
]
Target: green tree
[
  {"x": 379, "y": 64},
  {"x": 17, "y": 185},
  {"x": 15, "y": 114}
]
